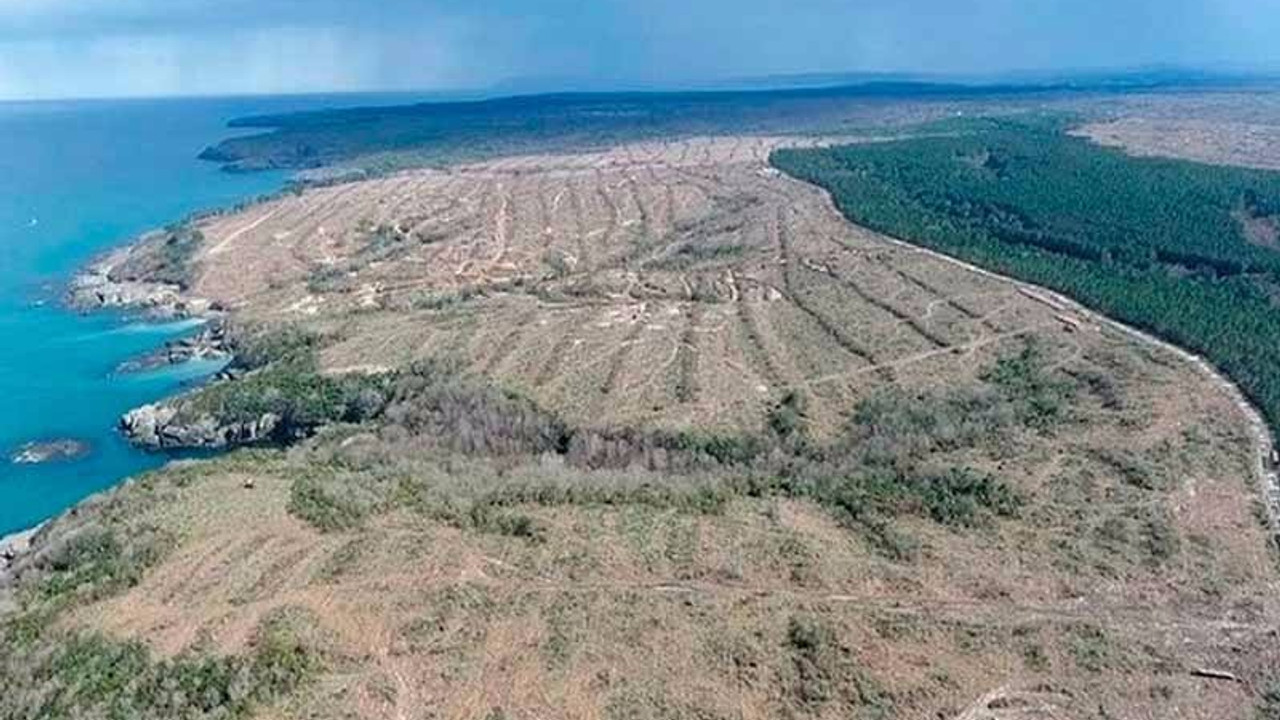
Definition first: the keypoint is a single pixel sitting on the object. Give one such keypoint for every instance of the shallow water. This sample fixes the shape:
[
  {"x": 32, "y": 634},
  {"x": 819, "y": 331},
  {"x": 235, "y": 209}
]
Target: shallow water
[{"x": 77, "y": 178}]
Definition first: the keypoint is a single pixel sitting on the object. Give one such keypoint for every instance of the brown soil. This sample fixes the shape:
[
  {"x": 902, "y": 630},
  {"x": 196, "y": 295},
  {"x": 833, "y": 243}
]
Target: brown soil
[
  {"x": 632, "y": 611},
  {"x": 1263, "y": 231}
]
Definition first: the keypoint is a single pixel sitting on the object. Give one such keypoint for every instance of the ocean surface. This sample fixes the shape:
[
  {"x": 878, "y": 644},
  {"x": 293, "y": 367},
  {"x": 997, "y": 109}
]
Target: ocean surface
[{"x": 77, "y": 178}]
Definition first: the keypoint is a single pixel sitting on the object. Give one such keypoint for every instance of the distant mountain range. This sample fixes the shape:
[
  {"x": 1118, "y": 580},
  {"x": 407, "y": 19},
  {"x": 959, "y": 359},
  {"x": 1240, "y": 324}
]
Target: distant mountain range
[{"x": 1153, "y": 75}]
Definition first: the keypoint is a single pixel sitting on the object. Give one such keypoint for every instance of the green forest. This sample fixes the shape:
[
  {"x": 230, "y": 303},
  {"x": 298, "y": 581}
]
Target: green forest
[{"x": 1186, "y": 251}]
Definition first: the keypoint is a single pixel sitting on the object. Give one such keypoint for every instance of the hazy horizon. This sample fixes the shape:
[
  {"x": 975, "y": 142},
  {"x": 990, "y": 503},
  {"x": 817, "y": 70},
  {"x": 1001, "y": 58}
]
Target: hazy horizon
[{"x": 58, "y": 49}]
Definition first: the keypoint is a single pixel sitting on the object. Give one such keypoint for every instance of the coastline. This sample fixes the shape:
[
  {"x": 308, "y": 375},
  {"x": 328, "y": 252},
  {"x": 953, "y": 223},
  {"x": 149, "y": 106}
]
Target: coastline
[
  {"x": 80, "y": 369},
  {"x": 15, "y": 545}
]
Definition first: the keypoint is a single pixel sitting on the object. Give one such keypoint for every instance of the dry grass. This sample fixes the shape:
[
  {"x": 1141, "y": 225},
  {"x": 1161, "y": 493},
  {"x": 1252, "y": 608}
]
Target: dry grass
[
  {"x": 1136, "y": 559},
  {"x": 643, "y": 611},
  {"x": 1209, "y": 141}
]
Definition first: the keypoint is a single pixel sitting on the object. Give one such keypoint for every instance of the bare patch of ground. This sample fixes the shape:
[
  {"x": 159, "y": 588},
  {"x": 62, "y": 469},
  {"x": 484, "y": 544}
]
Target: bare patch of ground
[
  {"x": 1219, "y": 142},
  {"x": 1261, "y": 230},
  {"x": 1136, "y": 563}
]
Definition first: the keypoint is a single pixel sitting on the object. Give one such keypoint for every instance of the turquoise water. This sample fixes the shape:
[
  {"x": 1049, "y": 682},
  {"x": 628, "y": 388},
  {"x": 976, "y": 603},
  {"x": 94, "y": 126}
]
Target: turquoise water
[{"x": 77, "y": 178}]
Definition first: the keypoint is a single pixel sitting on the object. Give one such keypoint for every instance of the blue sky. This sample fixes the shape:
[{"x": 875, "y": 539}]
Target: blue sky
[{"x": 77, "y": 48}]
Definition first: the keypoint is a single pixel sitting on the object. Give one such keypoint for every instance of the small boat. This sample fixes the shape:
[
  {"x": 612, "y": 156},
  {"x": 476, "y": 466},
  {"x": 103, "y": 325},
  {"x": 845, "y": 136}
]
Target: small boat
[{"x": 34, "y": 222}]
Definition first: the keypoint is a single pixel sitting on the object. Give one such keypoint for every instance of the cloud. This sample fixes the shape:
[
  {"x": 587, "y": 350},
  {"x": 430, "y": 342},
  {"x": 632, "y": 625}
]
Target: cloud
[
  {"x": 54, "y": 48},
  {"x": 136, "y": 50}
]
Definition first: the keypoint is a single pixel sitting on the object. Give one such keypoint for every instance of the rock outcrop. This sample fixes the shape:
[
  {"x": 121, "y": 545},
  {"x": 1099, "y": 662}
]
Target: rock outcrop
[
  {"x": 163, "y": 426},
  {"x": 100, "y": 287},
  {"x": 211, "y": 343}
]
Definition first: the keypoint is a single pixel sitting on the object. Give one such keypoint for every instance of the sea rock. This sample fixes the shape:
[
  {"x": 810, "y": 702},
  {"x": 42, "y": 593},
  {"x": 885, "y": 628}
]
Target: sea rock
[
  {"x": 45, "y": 451},
  {"x": 143, "y": 425}
]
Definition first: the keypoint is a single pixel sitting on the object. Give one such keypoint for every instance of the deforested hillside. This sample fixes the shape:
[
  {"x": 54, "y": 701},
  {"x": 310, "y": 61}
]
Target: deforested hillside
[
  {"x": 665, "y": 286},
  {"x": 1070, "y": 532},
  {"x": 648, "y": 433},
  {"x": 1181, "y": 249}
]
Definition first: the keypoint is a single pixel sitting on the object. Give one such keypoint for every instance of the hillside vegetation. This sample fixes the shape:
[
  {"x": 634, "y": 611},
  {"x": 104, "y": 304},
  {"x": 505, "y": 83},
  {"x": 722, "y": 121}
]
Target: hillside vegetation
[
  {"x": 462, "y": 553},
  {"x": 1186, "y": 251}
]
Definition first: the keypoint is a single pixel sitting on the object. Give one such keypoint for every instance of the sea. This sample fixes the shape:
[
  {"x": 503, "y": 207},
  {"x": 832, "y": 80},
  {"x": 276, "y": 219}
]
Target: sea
[{"x": 76, "y": 179}]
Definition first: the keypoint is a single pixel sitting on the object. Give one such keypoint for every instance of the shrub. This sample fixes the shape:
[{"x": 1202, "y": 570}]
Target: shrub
[
  {"x": 432, "y": 399},
  {"x": 339, "y": 502},
  {"x": 95, "y": 561},
  {"x": 161, "y": 258},
  {"x": 960, "y": 496},
  {"x": 486, "y": 518},
  {"x": 824, "y": 672},
  {"x": 90, "y": 675},
  {"x": 1269, "y": 703},
  {"x": 292, "y": 390},
  {"x": 258, "y": 347},
  {"x": 788, "y": 419},
  {"x": 1090, "y": 648},
  {"x": 690, "y": 254}
]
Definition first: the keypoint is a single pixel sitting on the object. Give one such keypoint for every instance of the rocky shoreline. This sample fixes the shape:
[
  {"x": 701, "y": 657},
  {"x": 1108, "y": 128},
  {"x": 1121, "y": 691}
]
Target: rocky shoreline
[
  {"x": 113, "y": 282},
  {"x": 99, "y": 287},
  {"x": 211, "y": 343},
  {"x": 12, "y": 548},
  {"x": 95, "y": 289}
]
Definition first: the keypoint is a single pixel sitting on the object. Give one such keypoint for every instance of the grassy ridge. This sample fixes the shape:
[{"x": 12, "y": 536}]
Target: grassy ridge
[{"x": 1159, "y": 244}]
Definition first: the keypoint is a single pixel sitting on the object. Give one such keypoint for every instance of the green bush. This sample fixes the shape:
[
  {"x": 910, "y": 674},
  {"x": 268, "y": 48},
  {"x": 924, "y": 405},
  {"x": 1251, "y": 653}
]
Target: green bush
[
  {"x": 162, "y": 258},
  {"x": 89, "y": 675},
  {"x": 96, "y": 561},
  {"x": 1037, "y": 398},
  {"x": 334, "y": 502},
  {"x": 788, "y": 420},
  {"x": 258, "y": 347},
  {"x": 1269, "y": 703},
  {"x": 824, "y": 672},
  {"x": 295, "y": 392}
]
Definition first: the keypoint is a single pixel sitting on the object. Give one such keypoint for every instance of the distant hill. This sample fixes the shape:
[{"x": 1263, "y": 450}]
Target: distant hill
[{"x": 443, "y": 131}]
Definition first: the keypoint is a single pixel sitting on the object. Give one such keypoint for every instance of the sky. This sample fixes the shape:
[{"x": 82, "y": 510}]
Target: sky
[{"x": 97, "y": 48}]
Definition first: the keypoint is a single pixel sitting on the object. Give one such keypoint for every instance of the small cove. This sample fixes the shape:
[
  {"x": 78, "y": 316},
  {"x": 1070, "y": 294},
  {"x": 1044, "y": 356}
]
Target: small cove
[{"x": 76, "y": 179}]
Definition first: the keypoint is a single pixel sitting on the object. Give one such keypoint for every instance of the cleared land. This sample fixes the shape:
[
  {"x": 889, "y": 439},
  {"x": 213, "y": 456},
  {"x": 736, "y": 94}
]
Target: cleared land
[
  {"x": 978, "y": 503},
  {"x": 1221, "y": 143},
  {"x": 1136, "y": 561},
  {"x": 1223, "y": 128},
  {"x": 668, "y": 285}
]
